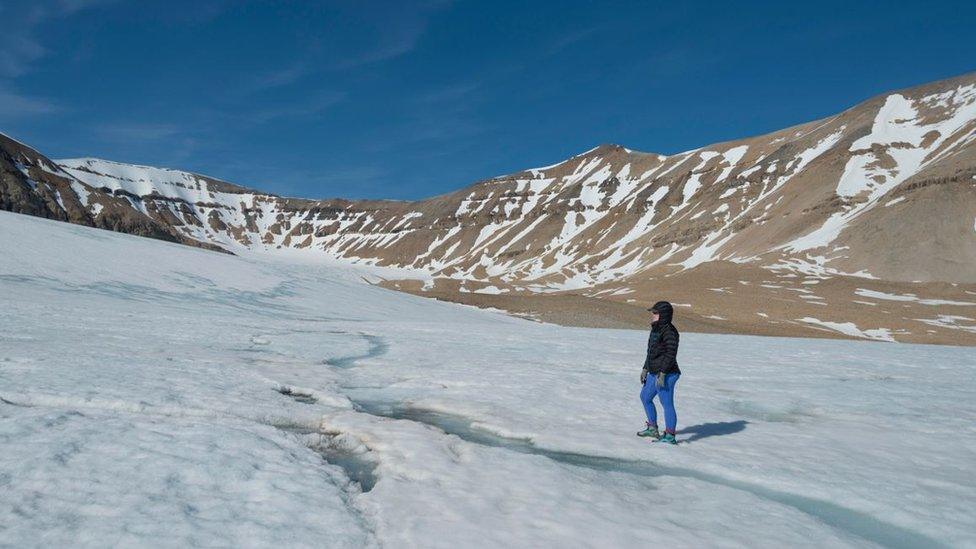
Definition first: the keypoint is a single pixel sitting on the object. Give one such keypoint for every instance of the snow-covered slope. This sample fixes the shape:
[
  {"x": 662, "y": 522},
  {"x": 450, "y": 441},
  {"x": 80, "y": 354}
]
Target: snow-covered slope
[
  {"x": 156, "y": 394},
  {"x": 611, "y": 212},
  {"x": 883, "y": 191}
]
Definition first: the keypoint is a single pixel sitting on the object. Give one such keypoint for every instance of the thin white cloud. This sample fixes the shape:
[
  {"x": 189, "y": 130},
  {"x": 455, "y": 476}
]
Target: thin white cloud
[
  {"x": 275, "y": 79},
  {"x": 19, "y": 49},
  {"x": 68, "y": 7},
  {"x": 16, "y": 105},
  {"x": 20, "y": 46},
  {"x": 394, "y": 46},
  {"x": 312, "y": 106},
  {"x": 449, "y": 93},
  {"x": 137, "y": 131},
  {"x": 568, "y": 40},
  {"x": 395, "y": 28}
]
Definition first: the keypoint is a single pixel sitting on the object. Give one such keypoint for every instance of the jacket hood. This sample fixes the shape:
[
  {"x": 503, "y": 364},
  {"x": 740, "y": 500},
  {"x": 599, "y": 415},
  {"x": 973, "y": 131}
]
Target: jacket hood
[{"x": 664, "y": 310}]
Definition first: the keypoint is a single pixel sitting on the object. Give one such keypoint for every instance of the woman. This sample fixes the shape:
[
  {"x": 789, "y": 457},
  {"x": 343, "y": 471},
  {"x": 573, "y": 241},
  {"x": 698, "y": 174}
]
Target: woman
[{"x": 661, "y": 365}]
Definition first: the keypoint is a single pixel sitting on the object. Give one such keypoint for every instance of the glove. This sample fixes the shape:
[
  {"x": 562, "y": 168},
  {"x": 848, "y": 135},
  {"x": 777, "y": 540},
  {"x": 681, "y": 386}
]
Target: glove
[
  {"x": 643, "y": 376},
  {"x": 659, "y": 380}
]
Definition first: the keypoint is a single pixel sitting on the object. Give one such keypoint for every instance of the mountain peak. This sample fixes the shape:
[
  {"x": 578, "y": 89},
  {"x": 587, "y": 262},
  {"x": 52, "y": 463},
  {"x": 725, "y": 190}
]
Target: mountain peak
[{"x": 821, "y": 208}]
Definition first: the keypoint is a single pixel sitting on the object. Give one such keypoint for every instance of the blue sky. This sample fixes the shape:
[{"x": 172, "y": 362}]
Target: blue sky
[{"x": 409, "y": 100}]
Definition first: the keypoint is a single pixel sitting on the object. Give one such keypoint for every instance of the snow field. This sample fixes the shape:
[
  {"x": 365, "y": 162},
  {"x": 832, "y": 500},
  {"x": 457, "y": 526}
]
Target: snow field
[{"x": 159, "y": 394}]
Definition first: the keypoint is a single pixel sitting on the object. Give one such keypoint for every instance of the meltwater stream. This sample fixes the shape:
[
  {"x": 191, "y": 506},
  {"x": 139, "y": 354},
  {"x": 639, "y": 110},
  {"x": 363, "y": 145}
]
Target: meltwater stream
[
  {"x": 356, "y": 465},
  {"x": 847, "y": 520},
  {"x": 854, "y": 523}
]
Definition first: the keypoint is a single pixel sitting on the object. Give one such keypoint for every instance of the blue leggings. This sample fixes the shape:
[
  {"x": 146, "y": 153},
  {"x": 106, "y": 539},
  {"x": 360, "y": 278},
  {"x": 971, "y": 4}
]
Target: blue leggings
[{"x": 666, "y": 393}]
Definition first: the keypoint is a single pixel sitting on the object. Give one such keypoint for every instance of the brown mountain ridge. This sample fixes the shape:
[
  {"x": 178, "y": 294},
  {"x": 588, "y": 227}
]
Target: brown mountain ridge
[{"x": 862, "y": 224}]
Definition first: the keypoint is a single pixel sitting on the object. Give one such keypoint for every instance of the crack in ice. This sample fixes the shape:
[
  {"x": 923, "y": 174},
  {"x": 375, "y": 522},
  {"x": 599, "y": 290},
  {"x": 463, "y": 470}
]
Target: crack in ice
[
  {"x": 844, "y": 519},
  {"x": 847, "y": 520},
  {"x": 377, "y": 347}
]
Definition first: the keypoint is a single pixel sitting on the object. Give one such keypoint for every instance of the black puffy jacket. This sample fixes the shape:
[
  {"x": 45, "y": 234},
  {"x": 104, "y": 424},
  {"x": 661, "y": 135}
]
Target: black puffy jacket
[{"x": 662, "y": 343}]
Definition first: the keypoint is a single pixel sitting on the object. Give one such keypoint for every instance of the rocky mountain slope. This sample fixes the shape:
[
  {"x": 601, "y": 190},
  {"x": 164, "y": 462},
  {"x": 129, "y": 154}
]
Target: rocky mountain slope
[{"x": 861, "y": 224}]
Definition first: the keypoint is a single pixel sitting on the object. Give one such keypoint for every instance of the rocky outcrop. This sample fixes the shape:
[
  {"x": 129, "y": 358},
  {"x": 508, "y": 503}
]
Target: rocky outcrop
[{"x": 885, "y": 190}]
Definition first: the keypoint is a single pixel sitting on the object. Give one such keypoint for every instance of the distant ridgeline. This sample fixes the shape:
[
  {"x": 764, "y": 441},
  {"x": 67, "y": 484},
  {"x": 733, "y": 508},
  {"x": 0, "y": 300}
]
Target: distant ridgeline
[{"x": 882, "y": 192}]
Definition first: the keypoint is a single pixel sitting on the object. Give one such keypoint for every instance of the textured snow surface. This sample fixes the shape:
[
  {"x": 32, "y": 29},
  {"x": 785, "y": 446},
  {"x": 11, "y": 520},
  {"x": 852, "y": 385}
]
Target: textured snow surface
[{"x": 155, "y": 394}]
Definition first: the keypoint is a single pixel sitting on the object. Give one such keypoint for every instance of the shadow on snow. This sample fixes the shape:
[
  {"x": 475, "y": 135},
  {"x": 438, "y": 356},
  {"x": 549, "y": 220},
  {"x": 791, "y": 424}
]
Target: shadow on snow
[{"x": 716, "y": 429}]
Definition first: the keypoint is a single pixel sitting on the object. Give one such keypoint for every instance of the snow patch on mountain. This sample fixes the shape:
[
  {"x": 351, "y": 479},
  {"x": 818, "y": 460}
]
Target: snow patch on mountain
[
  {"x": 898, "y": 146},
  {"x": 849, "y": 328}
]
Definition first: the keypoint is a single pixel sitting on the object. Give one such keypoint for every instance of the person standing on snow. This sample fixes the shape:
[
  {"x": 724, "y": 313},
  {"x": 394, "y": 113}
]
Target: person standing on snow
[{"x": 660, "y": 373}]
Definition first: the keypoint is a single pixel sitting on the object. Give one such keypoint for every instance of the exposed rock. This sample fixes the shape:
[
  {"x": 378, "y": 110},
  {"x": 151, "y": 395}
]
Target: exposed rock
[{"x": 884, "y": 189}]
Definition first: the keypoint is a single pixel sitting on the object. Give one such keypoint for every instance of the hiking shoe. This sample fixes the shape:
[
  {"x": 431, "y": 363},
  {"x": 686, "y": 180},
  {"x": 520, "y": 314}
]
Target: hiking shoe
[
  {"x": 650, "y": 431},
  {"x": 668, "y": 438}
]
